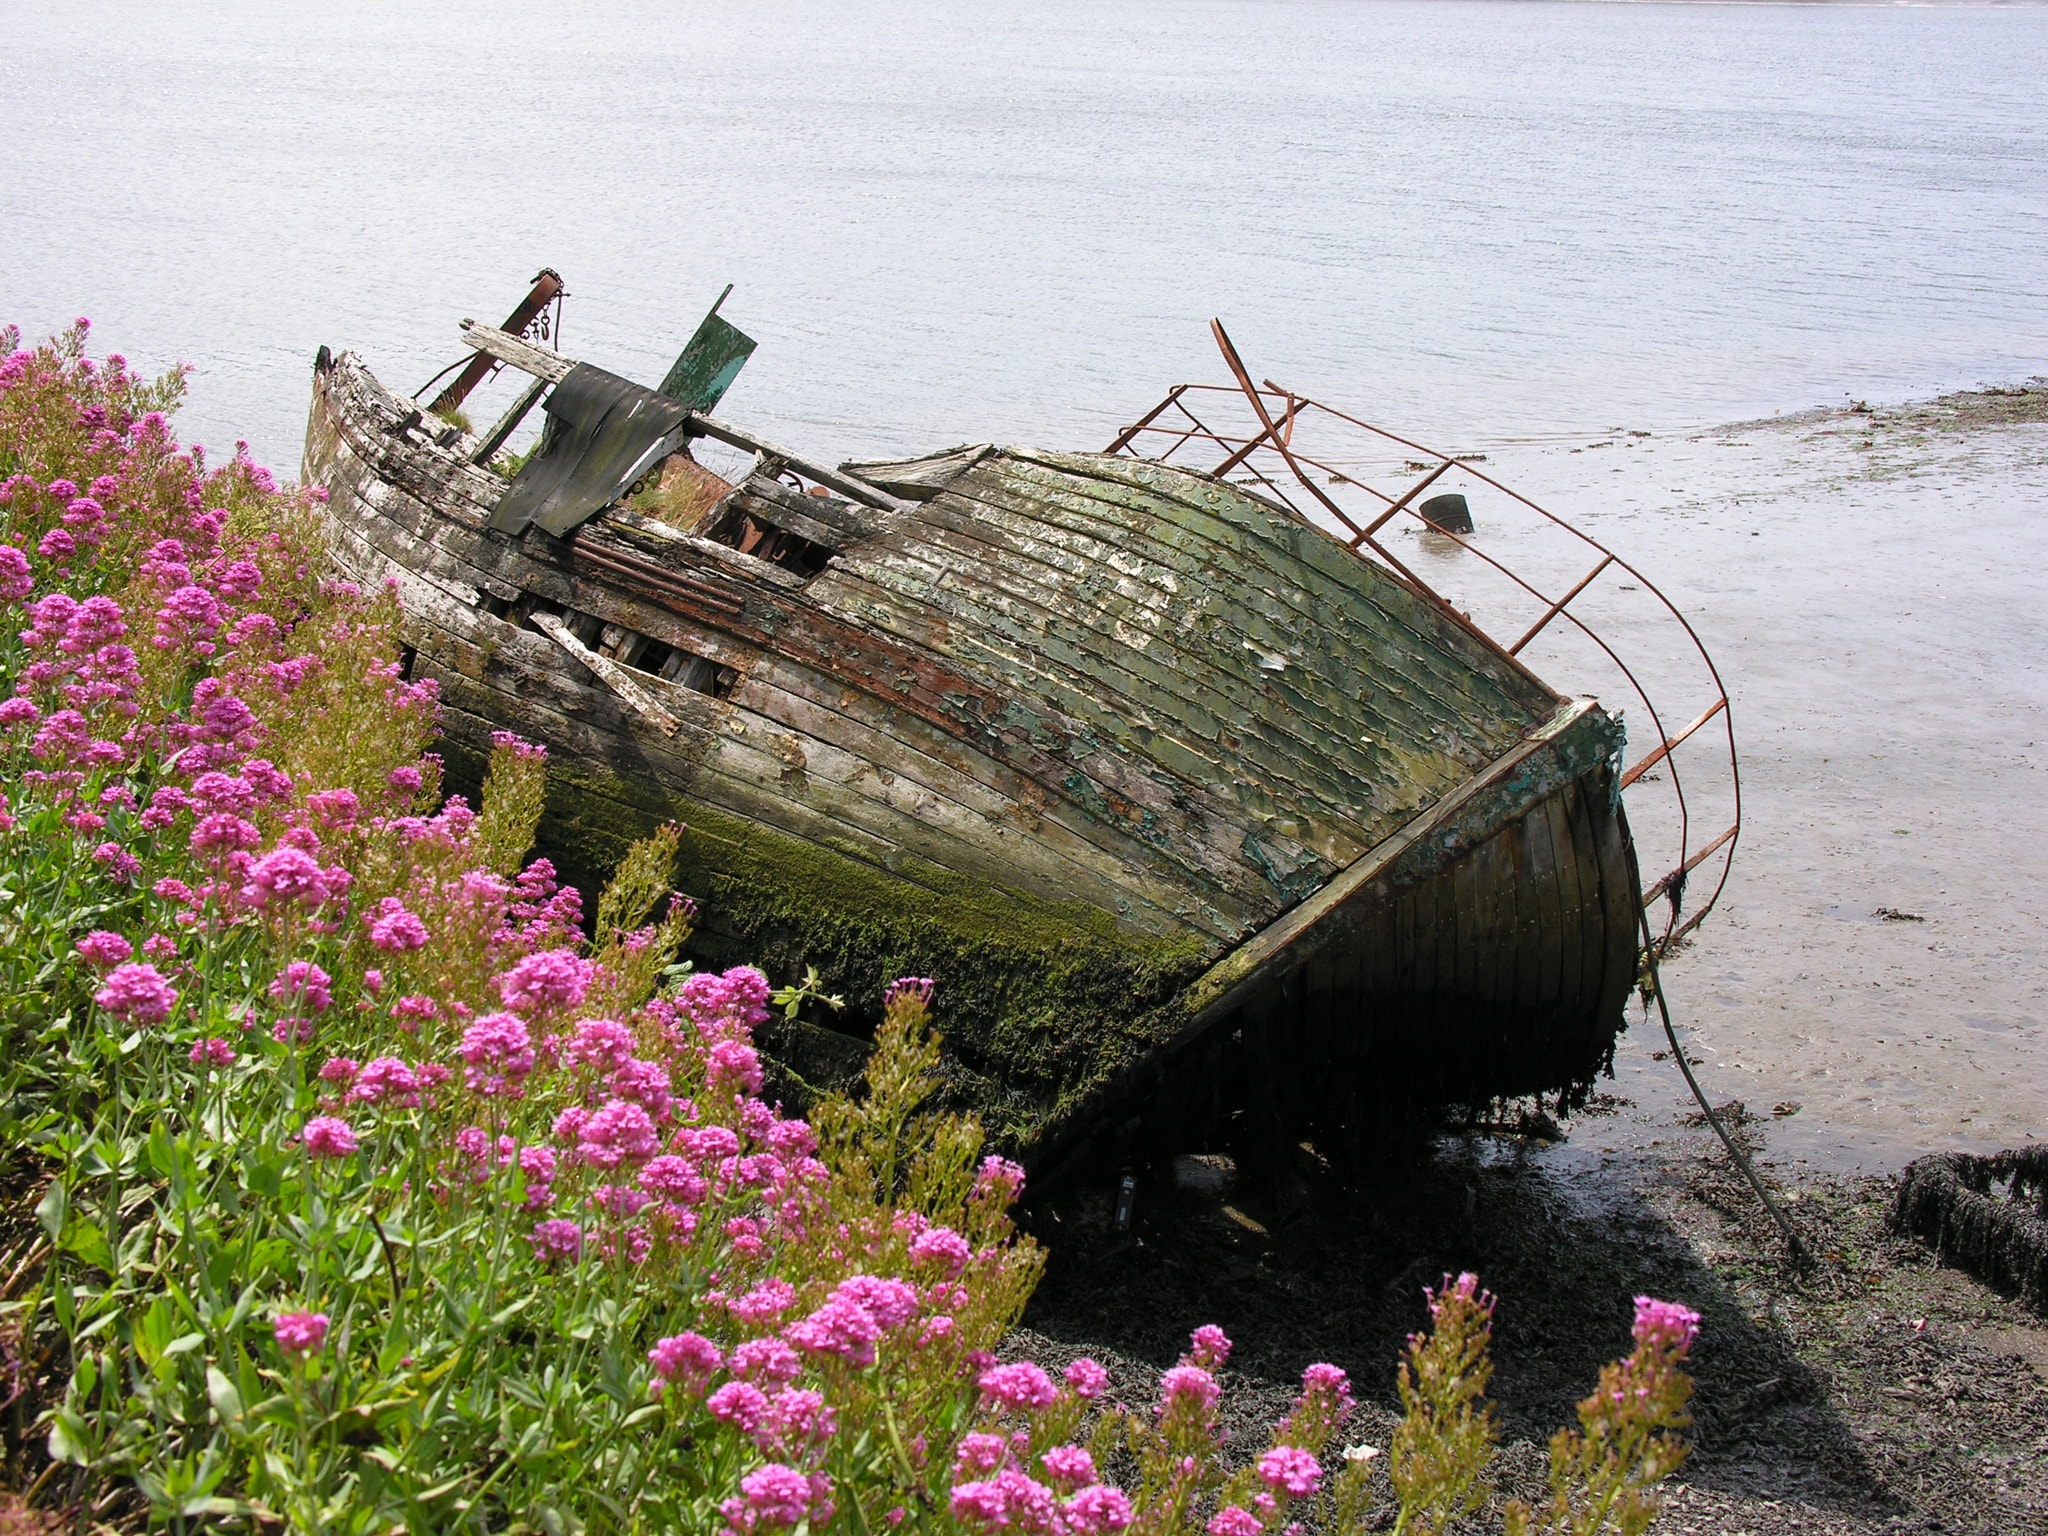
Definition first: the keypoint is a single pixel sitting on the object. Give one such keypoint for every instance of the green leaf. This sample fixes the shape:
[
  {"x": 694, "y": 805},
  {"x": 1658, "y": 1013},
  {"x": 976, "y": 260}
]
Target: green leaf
[
  {"x": 227, "y": 1402},
  {"x": 85, "y": 1239},
  {"x": 70, "y": 1439},
  {"x": 53, "y": 1209}
]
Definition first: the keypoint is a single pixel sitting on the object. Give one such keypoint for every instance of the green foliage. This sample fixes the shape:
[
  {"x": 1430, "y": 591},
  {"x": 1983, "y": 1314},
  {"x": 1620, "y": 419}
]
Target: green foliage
[{"x": 1441, "y": 1450}]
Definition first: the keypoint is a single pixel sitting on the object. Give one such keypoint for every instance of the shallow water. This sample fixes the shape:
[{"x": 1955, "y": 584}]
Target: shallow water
[
  {"x": 1495, "y": 218},
  {"x": 1875, "y": 611}
]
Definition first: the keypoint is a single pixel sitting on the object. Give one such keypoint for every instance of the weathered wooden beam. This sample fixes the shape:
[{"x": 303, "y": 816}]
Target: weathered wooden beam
[
  {"x": 614, "y": 676},
  {"x": 832, "y": 479},
  {"x": 538, "y": 361},
  {"x": 508, "y": 423}
]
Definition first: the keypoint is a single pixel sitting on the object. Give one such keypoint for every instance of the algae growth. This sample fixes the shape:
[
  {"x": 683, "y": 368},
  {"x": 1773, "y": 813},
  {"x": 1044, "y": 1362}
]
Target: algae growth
[{"x": 1040, "y": 1001}]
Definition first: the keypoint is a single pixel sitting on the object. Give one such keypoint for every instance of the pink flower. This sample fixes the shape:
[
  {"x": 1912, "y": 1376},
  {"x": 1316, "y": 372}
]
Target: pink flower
[
  {"x": 740, "y": 1404},
  {"x": 979, "y": 1454},
  {"x": 386, "y": 1080},
  {"x": 1009, "y": 1501},
  {"x": 498, "y": 1054},
  {"x": 221, "y": 832},
  {"x": 733, "y": 1068},
  {"x": 335, "y": 809},
  {"x": 919, "y": 987},
  {"x": 674, "y": 1179},
  {"x": 602, "y": 1043},
  {"x": 137, "y": 994},
  {"x": 1211, "y": 1347},
  {"x": 1669, "y": 1322},
  {"x": 103, "y": 950},
  {"x": 117, "y": 861},
  {"x": 768, "y": 1360},
  {"x": 839, "y": 1327},
  {"x": 1290, "y": 1469},
  {"x": 1020, "y": 1387},
  {"x": 1068, "y": 1466},
  {"x": 302, "y": 984},
  {"x": 890, "y": 1302},
  {"x": 338, "y": 1070},
  {"x": 686, "y": 1360},
  {"x": 1324, "y": 1377},
  {"x": 1233, "y": 1521},
  {"x": 211, "y": 1052},
  {"x": 941, "y": 1247},
  {"x": 797, "y": 1420},
  {"x": 1087, "y": 1379},
  {"x": 15, "y": 580},
  {"x": 301, "y": 1333},
  {"x": 764, "y": 1303},
  {"x": 327, "y": 1136},
  {"x": 1465, "y": 1288},
  {"x": 617, "y": 1133},
  {"x": 1000, "y": 1177},
  {"x": 1098, "y": 1511},
  {"x": 775, "y": 1496},
  {"x": 556, "y": 1240},
  {"x": 286, "y": 876},
  {"x": 552, "y": 978},
  {"x": 396, "y": 930},
  {"x": 1187, "y": 1384}
]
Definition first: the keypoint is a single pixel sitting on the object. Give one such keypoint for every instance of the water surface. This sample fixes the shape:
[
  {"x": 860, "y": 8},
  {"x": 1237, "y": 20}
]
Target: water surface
[{"x": 1488, "y": 218}]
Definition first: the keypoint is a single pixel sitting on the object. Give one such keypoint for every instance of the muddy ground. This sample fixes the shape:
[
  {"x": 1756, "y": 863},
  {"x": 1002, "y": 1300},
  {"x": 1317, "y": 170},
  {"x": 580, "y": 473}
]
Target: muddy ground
[{"x": 1880, "y": 1393}]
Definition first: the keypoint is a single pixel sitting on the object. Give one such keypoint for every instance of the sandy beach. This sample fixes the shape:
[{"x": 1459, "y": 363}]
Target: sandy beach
[{"x": 1869, "y": 583}]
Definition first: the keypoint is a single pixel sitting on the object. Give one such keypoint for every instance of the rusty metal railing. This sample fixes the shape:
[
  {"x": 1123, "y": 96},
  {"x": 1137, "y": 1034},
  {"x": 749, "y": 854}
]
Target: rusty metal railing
[{"x": 1278, "y": 442}]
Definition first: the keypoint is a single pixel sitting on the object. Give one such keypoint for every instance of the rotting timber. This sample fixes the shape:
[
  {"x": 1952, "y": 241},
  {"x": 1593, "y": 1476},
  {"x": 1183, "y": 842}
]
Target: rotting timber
[{"x": 1213, "y": 833}]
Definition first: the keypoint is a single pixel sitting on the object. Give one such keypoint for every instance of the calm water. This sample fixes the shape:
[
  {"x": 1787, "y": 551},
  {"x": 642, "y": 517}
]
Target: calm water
[{"x": 959, "y": 221}]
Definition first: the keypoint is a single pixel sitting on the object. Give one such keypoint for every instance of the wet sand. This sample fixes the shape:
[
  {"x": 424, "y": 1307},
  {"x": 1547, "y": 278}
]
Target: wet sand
[
  {"x": 1871, "y": 586},
  {"x": 1873, "y": 590}
]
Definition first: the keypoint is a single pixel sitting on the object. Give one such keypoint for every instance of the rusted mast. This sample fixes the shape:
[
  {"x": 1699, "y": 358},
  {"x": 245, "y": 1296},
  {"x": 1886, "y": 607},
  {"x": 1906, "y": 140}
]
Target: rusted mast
[{"x": 546, "y": 287}]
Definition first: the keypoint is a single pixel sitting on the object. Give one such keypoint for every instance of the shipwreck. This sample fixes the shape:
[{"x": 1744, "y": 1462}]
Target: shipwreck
[{"x": 1217, "y": 825}]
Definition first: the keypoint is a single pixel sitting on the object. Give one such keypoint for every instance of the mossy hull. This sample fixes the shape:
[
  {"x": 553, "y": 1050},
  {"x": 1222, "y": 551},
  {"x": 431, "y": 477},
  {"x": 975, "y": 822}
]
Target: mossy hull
[{"x": 1039, "y": 1002}]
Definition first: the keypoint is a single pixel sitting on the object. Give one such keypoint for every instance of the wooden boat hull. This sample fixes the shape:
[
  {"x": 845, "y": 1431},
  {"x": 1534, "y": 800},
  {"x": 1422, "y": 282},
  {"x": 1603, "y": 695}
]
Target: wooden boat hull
[{"x": 1209, "y": 830}]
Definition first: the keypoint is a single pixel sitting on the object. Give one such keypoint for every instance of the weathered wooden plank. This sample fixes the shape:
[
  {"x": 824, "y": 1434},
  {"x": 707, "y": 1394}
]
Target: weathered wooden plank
[
  {"x": 1092, "y": 851},
  {"x": 783, "y": 512},
  {"x": 508, "y": 423},
  {"x": 701, "y": 425},
  {"x": 541, "y": 362},
  {"x": 1222, "y": 570},
  {"x": 1528, "y": 940},
  {"x": 1316, "y": 549},
  {"x": 1348, "y": 711},
  {"x": 918, "y": 479},
  {"x": 615, "y": 677},
  {"x": 1552, "y": 910},
  {"x": 1305, "y": 553},
  {"x": 1591, "y": 917}
]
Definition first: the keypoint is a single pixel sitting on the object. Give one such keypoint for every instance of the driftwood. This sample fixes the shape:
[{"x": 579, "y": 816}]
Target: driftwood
[{"x": 1947, "y": 1202}]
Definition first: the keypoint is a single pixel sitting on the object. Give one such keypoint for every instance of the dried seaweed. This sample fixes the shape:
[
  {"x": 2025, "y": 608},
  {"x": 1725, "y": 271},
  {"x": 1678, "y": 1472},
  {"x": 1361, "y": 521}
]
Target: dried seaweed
[{"x": 1949, "y": 1202}]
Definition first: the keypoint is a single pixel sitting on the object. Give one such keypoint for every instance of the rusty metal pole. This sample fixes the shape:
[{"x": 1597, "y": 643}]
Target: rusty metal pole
[{"x": 546, "y": 286}]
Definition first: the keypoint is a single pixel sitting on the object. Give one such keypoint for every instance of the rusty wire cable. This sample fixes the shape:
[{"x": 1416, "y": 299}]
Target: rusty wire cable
[{"x": 1802, "y": 1260}]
